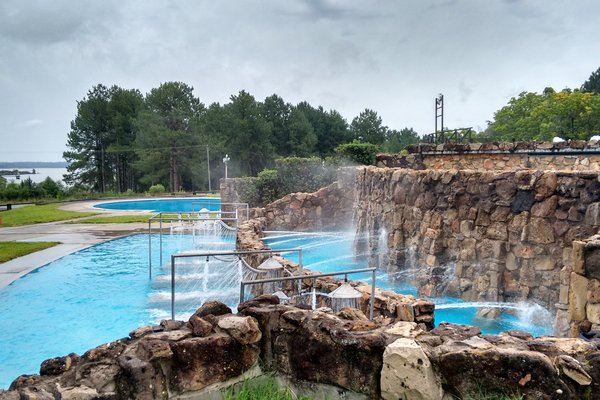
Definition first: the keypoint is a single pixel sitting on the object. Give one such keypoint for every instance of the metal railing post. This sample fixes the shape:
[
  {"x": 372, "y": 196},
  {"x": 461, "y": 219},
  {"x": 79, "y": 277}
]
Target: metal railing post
[
  {"x": 149, "y": 249},
  {"x": 372, "y": 305},
  {"x": 300, "y": 266},
  {"x": 160, "y": 236},
  {"x": 242, "y": 294},
  {"x": 172, "y": 287}
]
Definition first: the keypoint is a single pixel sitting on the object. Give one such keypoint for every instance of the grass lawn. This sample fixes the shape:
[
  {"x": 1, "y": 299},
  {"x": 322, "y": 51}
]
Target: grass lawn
[
  {"x": 35, "y": 214},
  {"x": 10, "y": 250},
  {"x": 115, "y": 219},
  {"x": 261, "y": 389}
]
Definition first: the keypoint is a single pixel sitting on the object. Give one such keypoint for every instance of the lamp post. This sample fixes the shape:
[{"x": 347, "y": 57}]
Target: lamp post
[{"x": 225, "y": 161}]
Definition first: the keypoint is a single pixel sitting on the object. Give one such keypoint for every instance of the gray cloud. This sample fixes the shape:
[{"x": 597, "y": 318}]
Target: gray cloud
[
  {"x": 394, "y": 57},
  {"x": 29, "y": 123}
]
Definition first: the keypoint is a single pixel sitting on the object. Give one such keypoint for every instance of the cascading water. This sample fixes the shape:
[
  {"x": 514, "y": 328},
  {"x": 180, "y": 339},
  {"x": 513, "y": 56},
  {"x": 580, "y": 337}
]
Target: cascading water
[
  {"x": 197, "y": 279},
  {"x": 338, "y": 255},
  {"x": 383, "y": 250}
]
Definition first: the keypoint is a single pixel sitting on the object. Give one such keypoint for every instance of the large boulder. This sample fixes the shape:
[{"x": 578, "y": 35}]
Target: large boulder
[
  {"x": 200, "y": 362},
  {"x": 468, "y": 370},
  {"x": 407, "y": 373},
  {"x": 243, "y": 329}
]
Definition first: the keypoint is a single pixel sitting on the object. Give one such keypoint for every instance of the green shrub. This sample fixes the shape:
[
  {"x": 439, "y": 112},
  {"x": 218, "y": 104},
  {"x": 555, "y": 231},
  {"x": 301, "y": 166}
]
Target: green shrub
[
  {"x": 156, "y": 189},
  {"x": 358, "y": 152},
  {"x": 298, "y": 174},
  {"x": 247, "y": 190},
  {"x": 292, "y": 174},
  {"x": 269, "y": 186}
]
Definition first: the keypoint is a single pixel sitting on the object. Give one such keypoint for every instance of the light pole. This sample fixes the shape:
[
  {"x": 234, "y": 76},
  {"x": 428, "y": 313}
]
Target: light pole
[
  {"x": 208, "y": 167},
  {"x": 225, "y": 161}
]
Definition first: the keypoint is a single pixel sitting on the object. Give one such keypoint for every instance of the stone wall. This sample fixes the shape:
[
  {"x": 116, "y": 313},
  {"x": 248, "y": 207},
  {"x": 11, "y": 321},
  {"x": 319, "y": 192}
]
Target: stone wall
[
  {"x": 580, "y": 288},
  {"x": 563, "y": 156},
  {"x": 358, "y": 359},
  {"x": 330, "y": 208},
  {"x": 483, "y": 236}
]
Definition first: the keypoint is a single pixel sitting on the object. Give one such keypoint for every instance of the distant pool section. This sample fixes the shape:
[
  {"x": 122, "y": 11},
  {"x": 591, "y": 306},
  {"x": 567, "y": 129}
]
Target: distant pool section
[{"x": 188, "y": 204}]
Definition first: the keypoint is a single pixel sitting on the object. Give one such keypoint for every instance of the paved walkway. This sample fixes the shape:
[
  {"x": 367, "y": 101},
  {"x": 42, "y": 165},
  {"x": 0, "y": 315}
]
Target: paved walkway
[{"x": 73, "y": 237}]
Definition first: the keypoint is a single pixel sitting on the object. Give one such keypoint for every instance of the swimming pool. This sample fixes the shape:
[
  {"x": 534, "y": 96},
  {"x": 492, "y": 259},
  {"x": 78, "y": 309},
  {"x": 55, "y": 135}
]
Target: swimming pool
[
  {"x": 87, "y": 298},
  {"x": 101, "y": 293},
  {"x": 330, "y": 252},
  {"x": 189, "y": 204}
]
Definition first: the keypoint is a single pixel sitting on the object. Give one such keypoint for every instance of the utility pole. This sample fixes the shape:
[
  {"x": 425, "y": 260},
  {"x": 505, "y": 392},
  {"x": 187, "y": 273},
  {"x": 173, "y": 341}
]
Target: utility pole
[
  {"x": 439, "y": 115},
  {"x": 208, "y": 167}
]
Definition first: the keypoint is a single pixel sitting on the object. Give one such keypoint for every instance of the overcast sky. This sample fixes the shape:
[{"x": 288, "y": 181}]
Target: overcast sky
[{"x": 390, "y": 56}]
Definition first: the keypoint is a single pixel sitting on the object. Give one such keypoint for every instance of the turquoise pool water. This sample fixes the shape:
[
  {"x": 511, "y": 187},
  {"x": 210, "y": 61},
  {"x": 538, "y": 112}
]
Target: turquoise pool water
[
  {"x": 165, "y": 205},
  {"x": 85, "y": 299},
  {"x": 101, "y": 293},
  {"x": 333, "y": 252}
]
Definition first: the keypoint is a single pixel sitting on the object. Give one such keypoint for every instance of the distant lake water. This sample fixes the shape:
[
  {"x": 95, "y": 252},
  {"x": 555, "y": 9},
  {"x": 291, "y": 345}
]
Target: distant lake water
[{"x": 56, "y": 174}]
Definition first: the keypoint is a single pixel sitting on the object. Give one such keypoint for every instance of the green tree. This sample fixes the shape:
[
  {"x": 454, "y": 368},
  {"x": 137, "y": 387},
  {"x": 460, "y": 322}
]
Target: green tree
[
  {"x": 302, "y": 138},
  {"x": 516, "y": 120},
  {"x": 532, "y": 116},
  {"x": 330, "y": 128},
  {"x": 398, "y": 140},
  {"x": 100, "y": 139},
  {"x": 247, "y": 135},
  {"x": 167, "y": 142},
  {"x": 368, "y": 127},
  {"x": 123, "y": 109},
  {"x": 277, "y": 112},
  {"x": 50, "y": 187},
  {"x": 88, "y": 140},
  {"x": 593, "y": 83}
]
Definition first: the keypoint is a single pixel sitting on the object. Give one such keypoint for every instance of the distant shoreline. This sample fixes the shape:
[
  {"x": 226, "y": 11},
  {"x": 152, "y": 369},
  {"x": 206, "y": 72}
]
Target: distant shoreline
[
  {"x": 33, "y": 164},
  {"x": 9, "y": 172}
]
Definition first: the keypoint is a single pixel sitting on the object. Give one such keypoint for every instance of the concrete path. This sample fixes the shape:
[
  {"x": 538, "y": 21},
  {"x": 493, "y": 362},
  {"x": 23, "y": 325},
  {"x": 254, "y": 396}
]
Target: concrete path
[{"x": 73, "y": 237}]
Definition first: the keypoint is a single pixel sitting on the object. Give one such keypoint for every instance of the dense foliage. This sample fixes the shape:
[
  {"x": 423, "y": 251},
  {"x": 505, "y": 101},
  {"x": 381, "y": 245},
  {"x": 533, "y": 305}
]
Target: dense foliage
[
  {"x": 121, "y": 140},
  {"x": 292, "y": 174},
  {"x": 569, "y": 114},
  {"x": 531, "y": 116},
  {"x": 593, "y": 83},
  {"x": 26, "y": 189},
  {"x": 358, "y": 152}
]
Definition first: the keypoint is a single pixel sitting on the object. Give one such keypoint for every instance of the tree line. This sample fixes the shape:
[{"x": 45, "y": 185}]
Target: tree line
[
  {"x": 122, "y": 140},
  {"x": 569, "y": 114}
]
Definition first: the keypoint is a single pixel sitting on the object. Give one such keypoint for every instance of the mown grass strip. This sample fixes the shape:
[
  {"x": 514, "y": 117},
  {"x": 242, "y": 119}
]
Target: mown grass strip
[
  {"x": 262, "y": 389},
  {"x": 10, "y": 250},
  {"x": 114, "y": 219},
  {"x": 36, "y": 214}
]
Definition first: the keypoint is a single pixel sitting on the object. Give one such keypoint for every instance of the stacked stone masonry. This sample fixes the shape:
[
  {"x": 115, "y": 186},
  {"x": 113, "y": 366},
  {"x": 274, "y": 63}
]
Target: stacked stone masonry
[
  {"x": 562, "y": 156},
  {"x": 499, "y": 230},
  {"x": 483, "y": 236},
  {"x": 580, "y": 288}
]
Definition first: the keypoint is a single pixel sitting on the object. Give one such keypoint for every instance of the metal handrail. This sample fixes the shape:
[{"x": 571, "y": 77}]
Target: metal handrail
[
  {"x": 244, "y": 206},
  {"x": 160, "y": 218},
  {"x": 237, "y": 253},
  {"x": 314, "y": 276}
]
